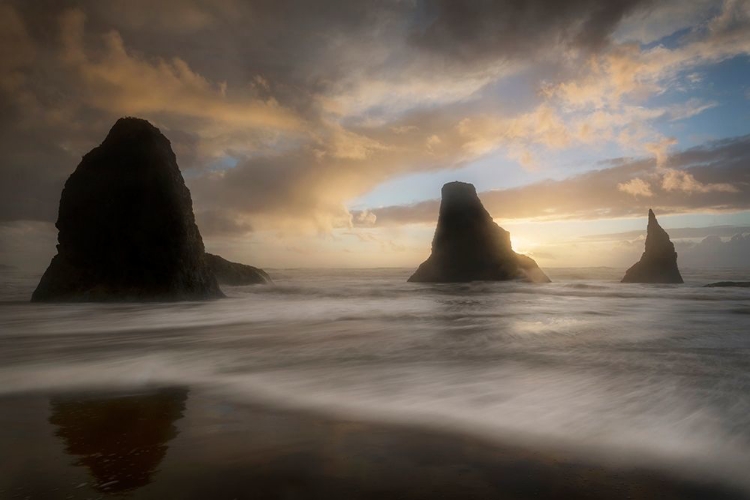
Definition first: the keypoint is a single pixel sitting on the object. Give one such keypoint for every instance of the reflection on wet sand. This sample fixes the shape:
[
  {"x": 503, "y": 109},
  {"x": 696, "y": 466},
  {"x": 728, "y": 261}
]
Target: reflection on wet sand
[
  {"x": 121, "y": 439},
  {"x": 230, "y": 448}
]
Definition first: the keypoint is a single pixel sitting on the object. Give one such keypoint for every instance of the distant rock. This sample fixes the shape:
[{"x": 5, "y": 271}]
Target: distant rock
[
  {"x": 469, "y": 246},
  {"x": 726, "y": 284},
  {"x": 234, "y": 274},
  {"x": 658, "y": 263},
  {"x": 126, "y": 226}
]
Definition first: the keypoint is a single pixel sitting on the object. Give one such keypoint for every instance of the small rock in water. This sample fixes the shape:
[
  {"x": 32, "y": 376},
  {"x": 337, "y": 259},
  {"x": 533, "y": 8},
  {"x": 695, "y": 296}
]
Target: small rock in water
[{"x": 727, "y": 284}]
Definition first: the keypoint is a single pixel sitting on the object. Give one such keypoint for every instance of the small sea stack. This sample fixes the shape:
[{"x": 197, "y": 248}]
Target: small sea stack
[
  {"x": 469, "y": 246},
  {"x": 235, "y": 274},
  {"x": 126, "y": 229},
  {"x": 658, "y": 263},
  {"x": 729, "y": 284}
]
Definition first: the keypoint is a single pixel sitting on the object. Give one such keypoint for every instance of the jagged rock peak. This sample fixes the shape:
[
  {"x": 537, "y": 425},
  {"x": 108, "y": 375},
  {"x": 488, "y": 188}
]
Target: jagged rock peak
[
  {"x": 469, "y": 246},
  {"x": 658, "y": 263},
  {"x": 126, "y": 228}
]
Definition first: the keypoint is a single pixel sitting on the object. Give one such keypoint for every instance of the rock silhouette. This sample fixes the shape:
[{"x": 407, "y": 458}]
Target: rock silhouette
[
  {"x": 658, "y": 263},
  {"x": 469, "y": 246},
  {"x": 729, "y": 284},
  {"x": 234, "y": 274},
  {"x": 126, "y": 226}
]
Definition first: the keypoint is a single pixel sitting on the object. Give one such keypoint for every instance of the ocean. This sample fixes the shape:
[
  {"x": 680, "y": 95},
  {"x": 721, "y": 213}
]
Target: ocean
[{"x": 653, "y": 375}]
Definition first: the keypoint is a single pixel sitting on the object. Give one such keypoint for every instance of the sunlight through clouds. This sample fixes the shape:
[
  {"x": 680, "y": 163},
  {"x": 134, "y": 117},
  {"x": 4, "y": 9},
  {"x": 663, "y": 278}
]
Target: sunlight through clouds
[{"x": 283, "y": 114}]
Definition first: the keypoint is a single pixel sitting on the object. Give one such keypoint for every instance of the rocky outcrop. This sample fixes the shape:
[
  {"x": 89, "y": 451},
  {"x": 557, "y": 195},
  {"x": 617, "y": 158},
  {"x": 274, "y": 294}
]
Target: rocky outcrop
[
  {"x": 729, "y": 284},
  {"x": 234, "y": 274},
  {"x": 469, "y": 246},
  {"x": 658, "y": 263},
  {"x": 126, "y": 226}
]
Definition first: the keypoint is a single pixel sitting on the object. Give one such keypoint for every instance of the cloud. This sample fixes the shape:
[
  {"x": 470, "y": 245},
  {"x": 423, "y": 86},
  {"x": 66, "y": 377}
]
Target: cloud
[
  {"x": 219, "y": 222},
  {"x": 282, "y": 112},
  {"x": 120, "y": 82},
  {"x": 692, "y": 107},
  {"x": 186, "y": 17},
  {"x": 600, "y": 194},
  {"x": 713, "y": 251},
  {"x": 630, "y": 69},
  {"x": 693, "y": 233},
  {"x": 17, "y": 50},
  {"x": 482, "y": 30},
  {"x": 636, "y": 187},
  {"x": 366, "y": 217},
  {"x": 660, "y": 149},
  {"x": 597, "y": 100},
  {"x": 659, "y": 19},
  {"x": 677, "y": 180}
]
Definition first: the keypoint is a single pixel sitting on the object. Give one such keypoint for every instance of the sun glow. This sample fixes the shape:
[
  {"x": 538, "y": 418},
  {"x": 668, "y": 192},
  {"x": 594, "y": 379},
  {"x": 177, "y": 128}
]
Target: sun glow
[{"x": 523, "y": 245}]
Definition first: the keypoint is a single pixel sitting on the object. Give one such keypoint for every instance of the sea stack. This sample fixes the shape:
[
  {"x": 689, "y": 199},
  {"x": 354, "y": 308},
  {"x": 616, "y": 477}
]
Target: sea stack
[
  {"x": 658, "y": 263},
  {"x": 126, "y": 229},
  {"x": 235, "y": 274},
  {"x": 469, "y": 246}
]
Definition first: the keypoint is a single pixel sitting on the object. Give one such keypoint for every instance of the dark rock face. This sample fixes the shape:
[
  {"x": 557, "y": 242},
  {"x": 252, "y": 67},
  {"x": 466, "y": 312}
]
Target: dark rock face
[
  {"x": 729, "y": 284},
  {"x": 126, "y": 226},
  {"x": 469, "y": 246},
  {"x": 658, "y": 263},
  {"x": 234, "y": 274}
]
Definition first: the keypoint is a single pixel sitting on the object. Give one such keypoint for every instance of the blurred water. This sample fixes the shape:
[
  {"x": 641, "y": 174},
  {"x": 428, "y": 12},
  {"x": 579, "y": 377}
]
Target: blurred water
[{"x": 651, "y": 372}]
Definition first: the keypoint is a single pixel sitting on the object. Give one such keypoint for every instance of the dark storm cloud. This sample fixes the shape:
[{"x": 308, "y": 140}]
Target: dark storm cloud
[
  {"x": 514, "y": 29},
  {"x": 288, "y": 90},
  {"x": 298, "y": 47},
  {"x": 71, "y": 68},
  {"x": 595, "y": 195}
]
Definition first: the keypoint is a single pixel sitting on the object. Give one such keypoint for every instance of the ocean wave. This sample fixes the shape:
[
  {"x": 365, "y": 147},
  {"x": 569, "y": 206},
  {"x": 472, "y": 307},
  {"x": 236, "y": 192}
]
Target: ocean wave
[{"x": 653, "y": 370}]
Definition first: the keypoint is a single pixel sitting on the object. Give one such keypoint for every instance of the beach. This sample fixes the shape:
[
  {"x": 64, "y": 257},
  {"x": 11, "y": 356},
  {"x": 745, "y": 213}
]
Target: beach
[
  {"x": 180, "y": 443},
  {"x": 356, "y": 384}
]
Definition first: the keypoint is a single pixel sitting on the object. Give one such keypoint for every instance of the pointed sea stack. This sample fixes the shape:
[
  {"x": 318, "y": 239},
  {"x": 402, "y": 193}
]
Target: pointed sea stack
[
  {"x": 235, "y": 274},
  {"x": 469, "y": 246},
  {"x": 126, "y": 226},
  {"x": 658, "y": 263}
]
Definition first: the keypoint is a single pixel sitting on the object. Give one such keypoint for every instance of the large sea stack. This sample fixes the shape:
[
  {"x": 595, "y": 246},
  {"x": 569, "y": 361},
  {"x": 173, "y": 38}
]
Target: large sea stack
[
  {"x": 235, "y": 274},
  {"x": 469, "y": 246},
  {"x": 658, "y": 263},
  {"x": 126, "y": 229}
]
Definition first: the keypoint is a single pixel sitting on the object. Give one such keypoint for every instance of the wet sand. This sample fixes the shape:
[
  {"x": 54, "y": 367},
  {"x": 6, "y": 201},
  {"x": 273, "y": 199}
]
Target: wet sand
[{"x": 179, "y": 443}]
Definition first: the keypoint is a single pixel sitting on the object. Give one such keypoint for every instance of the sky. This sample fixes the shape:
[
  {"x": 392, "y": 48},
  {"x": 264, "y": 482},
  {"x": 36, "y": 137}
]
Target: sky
[{"x": 318, "y": 134}]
